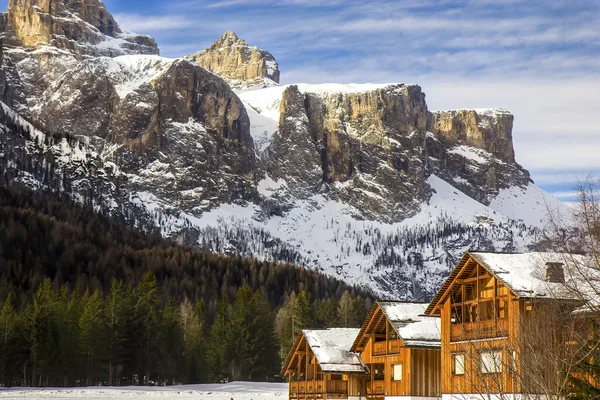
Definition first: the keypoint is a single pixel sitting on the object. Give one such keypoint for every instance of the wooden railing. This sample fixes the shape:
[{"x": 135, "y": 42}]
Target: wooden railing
[
  {"x": 336, "y": 387},
  {"x": 376, "y": 387},
  {"x": 318, "y": 387},
  {"x": 479, "y": 330},
  {"x": 386, "y": 347},
  {"x": 394, "y": 346},
  {"x": 379, "y": 348}
]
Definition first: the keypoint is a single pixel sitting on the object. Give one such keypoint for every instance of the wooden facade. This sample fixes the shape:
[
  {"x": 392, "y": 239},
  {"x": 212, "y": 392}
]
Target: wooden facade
[
  {"x": 495, "y": 340},
  {"x": 407, "y": 367},
  {"x": 308, "y": 378}
]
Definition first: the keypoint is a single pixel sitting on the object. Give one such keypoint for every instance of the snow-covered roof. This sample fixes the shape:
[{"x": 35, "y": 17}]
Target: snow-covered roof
[
  {"x": 525, "y": 275},
  {"x": 413, "y": 327},
  {"x": 332, "y": 349}
]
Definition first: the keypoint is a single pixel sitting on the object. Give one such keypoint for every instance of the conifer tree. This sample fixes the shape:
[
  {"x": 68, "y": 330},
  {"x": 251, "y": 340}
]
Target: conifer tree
[
  {"x": 69, "y": 308},
  {"x": 327, "y": 314},
  {"x": 217, "y": 353},
  {"x": 8, "y": 324},
  {"x": 345, "y": 310},
  {"x": 171, "y": 347},
  {"x": 359, "y": 312},
  {"x": 251, "y": 338},
  {"x": 147, "y": 315},
  {"x": 93, "y": 338},
  {"x": 195, "y": 339},
  {"x": 44, "y": 334}
]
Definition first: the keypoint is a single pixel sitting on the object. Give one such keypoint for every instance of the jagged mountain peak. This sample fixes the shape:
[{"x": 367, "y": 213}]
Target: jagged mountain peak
[
  {"x": 229, "y": 38},
  {"x": 83, "y": 27},
  {"x": 235, "y": 60}
]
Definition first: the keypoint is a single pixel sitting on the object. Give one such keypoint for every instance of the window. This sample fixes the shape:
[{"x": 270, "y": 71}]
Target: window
[
  {"x": 397, "y": 372},
  {"x": 501, "y": 308},
  {"x": 456, "y": 315},
  {"x": 458, "y": 364},
  {"x": 486, "y": 312},
  {"x": 491, "y": 362},
  {"x": 378, "y": 372}
]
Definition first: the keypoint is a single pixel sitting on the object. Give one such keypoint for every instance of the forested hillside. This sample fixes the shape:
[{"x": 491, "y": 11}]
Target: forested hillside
[{"x": 87, "y": 299}]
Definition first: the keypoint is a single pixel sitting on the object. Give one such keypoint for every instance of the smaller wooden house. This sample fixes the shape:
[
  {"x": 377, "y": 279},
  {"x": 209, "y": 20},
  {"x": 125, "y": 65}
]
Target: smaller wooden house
[
  {"x": 401, "y": 348},
  {"x": 320, "y": 363}
]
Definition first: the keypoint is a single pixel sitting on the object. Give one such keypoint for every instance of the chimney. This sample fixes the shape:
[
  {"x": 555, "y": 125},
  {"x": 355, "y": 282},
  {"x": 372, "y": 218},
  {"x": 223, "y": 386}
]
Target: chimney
[{"x": 555, "y": 272}]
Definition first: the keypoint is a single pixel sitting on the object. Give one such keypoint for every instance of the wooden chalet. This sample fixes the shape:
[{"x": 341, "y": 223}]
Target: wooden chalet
[
  {"x": 503, "y": 317},
  {"x": 401, "y": 348},
  {"x": 320, "y": 363}
]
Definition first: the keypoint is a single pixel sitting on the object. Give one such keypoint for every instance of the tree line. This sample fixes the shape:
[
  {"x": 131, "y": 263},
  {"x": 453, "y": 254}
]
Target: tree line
[
  {"x": 129, "y": 336},
  {"x": 87, "y": 299}
]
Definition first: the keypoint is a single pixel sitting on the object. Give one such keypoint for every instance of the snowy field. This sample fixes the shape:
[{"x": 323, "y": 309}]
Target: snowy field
[{"x": 235, "y": 391}]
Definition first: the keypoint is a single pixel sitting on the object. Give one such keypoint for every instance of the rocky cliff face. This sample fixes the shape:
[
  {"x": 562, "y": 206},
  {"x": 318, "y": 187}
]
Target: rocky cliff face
[
  {"x": 487, "y": 129},
  {"x": 84, "y": 27},
  {"x": 233, "y": 59},
  {"x": 5, "y": 95},
  {"x": 180, "y": 131},
  {"x": 373, "y": 148},
  {"x": 473, "y": 150},
  {"x": 365, "y": 148},
  {"x": 178, "y": 126}
]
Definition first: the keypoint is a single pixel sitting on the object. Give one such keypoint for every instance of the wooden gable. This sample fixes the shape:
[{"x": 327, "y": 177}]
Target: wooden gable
[
  {"x": 296, "y": 355},
  {"x": 467, "y": 270},
  {"x": 376, "y": 322}
]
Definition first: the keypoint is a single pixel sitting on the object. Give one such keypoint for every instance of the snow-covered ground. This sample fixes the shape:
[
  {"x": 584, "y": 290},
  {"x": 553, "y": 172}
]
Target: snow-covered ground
[{"x": 235, "y": 391}]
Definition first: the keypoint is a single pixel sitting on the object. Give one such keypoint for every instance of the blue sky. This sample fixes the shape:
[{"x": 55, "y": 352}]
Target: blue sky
[{"x": 538, "y": 59}]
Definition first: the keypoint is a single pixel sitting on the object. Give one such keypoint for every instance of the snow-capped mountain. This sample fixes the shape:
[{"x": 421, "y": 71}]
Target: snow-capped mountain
[{"x": 358, "y": 181}]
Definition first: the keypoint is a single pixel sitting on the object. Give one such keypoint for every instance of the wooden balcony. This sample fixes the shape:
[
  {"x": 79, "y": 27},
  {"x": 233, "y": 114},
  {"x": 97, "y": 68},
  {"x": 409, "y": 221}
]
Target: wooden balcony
[
  {"x": 375, "y": 387},
  {"x": 318, "y": 389},
  {"x": 386, "y": 347},
  {"x": 479, "y": 330}
]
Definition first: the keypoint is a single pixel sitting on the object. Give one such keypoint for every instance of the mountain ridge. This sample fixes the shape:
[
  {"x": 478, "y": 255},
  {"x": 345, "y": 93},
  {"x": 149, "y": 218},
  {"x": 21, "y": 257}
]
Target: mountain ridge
[{"x": 362, "y": 182}]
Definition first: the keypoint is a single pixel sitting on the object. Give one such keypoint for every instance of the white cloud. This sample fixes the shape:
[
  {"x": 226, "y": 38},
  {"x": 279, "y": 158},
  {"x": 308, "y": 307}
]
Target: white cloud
[
  {"x": 571, "y": 195},
  {"x": 558, "y": 178},
  {"x": 154, "y": 23}
]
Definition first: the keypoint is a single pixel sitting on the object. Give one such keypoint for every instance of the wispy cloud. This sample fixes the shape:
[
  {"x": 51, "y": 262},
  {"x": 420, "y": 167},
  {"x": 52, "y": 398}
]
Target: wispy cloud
[{"x": 154, "y": 23}]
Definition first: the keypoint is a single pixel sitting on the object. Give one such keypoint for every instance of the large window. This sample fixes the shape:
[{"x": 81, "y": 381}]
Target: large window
[
  {"x": 458, "y": 364},
  {"x": 491, "y": 362},
  {"x": 397, "y": 372}
]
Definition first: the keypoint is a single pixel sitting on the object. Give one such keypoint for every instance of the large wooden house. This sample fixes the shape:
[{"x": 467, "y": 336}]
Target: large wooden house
[
  {"x": 505, "y": 324},
  {"x": 320, "y": 363},
  {"x": 401, "y": 348}
]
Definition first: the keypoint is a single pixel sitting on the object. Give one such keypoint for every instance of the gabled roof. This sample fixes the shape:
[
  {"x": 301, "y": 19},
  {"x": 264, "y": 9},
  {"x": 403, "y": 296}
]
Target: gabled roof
[
  {"x": 331, "y": 348},
  {"x": 408, "y": 320},
  {"x": 524, "y": 274}
]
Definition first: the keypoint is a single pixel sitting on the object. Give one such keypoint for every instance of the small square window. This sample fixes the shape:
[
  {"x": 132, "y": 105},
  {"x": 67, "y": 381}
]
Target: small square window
[
  {"x": 398, "y": 372},
  {"x": 458, "y": 364},
  {"x": 491, "y": 362}
]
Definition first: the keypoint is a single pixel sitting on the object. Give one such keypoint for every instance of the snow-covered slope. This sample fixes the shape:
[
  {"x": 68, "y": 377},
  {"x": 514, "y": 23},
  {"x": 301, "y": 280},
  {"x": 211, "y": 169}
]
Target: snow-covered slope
[{"x": 407, "y": 260}]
